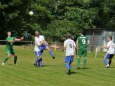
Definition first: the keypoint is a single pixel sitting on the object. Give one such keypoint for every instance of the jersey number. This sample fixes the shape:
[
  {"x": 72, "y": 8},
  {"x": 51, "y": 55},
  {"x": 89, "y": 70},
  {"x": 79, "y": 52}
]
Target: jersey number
[
  {"x": 83, "y": 41},
  {"x": 70, "y": 45}
]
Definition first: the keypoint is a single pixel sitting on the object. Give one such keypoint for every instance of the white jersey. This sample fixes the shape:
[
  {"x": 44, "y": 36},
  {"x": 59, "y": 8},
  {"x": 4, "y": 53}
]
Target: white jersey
[
  {"x": 111, "y": 49},
  {"x": 38, "y": 41},
  {"x": 70, "y": 45}
]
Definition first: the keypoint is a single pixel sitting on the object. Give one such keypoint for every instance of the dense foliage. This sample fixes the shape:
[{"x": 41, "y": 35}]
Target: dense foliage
[{"x": 55, "y": 18}]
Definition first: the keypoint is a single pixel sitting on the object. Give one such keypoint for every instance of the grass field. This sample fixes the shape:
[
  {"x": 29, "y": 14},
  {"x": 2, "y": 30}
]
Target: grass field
[{"x": 54, "y": 72}]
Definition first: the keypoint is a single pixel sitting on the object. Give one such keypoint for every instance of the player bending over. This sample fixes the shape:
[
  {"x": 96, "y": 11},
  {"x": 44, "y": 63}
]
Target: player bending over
[
  {"x": 40, "y": 46},
  {"x": 69, "y": 46},
  {"x": 110, "y": 52},
  {"x": 82, "y": 44},
  {"x": 9, "y": 48}
]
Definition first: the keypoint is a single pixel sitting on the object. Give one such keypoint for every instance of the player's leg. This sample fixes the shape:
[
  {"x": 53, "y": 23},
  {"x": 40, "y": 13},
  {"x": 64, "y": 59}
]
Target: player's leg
[
  {"x": 14, "y": 55},
  {"x": 5, "y": 59},
  {"x": 71, "y": 60},
  {"x": 68, "y": 63},
  {"x": 84, "y": 58},
  {"x": 50, "y": 51},
  {"x": 106, "y": 59},
  {"x": 39, "y": 60},
  {"x": 15, "y": 58},
  {"x": 79, "y": 58},
  {"x": 110, "y": 59}
]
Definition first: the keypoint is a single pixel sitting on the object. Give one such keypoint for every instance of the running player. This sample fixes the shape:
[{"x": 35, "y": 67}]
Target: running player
[
  {"x": 82, "y": 44},
  {"x": 9, "y": 48},
  {"x": 110, "y": 52},
  {"x": 69, "y": 47}
]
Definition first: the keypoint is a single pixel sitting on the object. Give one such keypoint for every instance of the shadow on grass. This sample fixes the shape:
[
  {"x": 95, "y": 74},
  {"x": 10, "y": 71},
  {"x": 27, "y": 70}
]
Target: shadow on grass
[{"x": 83, "y": 68}]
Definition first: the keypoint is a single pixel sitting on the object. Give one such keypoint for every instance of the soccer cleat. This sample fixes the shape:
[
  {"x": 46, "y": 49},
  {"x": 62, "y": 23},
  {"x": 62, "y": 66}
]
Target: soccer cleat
[
  {"x": 69, "y": 72},
  {"x": 53, "y": 57},
  {"x": 107, "y": 66},
  {"x": 3, "y": 64}
]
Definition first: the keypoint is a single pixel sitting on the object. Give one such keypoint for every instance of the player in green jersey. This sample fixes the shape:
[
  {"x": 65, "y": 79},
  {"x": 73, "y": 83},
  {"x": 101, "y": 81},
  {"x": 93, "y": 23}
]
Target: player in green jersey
[
  {"x": 9, "y": 48},
  {"x": 82, "y": 44}
]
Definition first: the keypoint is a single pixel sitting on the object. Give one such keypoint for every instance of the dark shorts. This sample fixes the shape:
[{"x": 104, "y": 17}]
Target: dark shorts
[
  {"x": 10, "y": 51},
  {"x": 82, "y": 52}
]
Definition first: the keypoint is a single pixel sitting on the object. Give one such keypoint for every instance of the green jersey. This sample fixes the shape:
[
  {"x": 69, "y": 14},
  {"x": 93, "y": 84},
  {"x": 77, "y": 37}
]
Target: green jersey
[
  {"x": 82, "y": 42},
  {"x": 9, "y": 45}
]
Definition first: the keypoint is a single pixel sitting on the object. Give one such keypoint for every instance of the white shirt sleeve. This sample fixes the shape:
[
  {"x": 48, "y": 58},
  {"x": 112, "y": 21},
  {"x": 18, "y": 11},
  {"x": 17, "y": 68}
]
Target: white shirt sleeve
[
  {"x": 42, "y": 38},
  {"x": 74, "y": 44},
  {"x": 37, "y": 43},
  {"x": 65, "y": 43}
]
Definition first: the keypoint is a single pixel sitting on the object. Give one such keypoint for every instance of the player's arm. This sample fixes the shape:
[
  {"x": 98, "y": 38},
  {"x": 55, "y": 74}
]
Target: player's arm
[
  {"x": 10, "y": 40},
  {"x": 65, "y": 45},
  {"x": 105, "y": 47},
  {"x": 19, "y": 39},
  {"x": 88, "y": 42},
  {"x": 77, "y": 44}
]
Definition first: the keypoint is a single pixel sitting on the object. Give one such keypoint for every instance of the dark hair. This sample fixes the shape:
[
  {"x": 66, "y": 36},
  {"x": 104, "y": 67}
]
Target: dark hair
[
  {"x": 68, "y": 36},
  {"x": 110, "y": 37},
  {"x": 82, "y": 33}
]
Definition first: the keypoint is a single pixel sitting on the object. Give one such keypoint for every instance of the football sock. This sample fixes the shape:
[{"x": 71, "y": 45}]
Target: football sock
[
  {"x": 84, "y": 61},
  {"x": 110, "y": 61},
  {"x": 78, "y": 64},
  {"x": 5, "y": 59},
  {"x": 51, "y": 53},
  {"x": 15, "y": 59},
  {"x": 68, "y": 66},
  {"x": 37, "y": 63},
  {"x": 41, "y": 62}
]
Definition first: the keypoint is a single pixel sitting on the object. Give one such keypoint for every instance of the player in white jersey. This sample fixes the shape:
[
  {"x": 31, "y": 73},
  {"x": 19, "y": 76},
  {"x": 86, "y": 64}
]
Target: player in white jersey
[
  {"x": 40, "y": 46},
  {"x": 69, "y": 46},
  {"x": 110, "y": 52}
]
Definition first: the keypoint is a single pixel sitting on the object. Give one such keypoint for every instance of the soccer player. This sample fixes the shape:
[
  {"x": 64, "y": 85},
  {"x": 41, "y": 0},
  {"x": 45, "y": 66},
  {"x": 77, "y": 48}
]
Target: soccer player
[
  {"x": 69, "y": 47},
  {"x": 110, "y": 52},
  {"x": 40, "y": 46},
  {"x": 82, "y": 44},
  {"x": 9, "y": 48}
]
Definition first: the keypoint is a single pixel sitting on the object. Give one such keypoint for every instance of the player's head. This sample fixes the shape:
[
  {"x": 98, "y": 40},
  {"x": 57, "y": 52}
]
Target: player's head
[
  {"x": 82, "y": 33},
  {"x": 9, "y": 33},
  {"x": 109, "y": 38},
  {"x": 68, "y": 36},
  {"x": 37, "y": 33}
]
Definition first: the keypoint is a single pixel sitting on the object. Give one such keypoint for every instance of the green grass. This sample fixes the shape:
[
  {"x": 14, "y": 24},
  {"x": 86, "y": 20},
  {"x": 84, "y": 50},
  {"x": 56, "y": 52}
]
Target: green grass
[{"x": 54, "y": 71}]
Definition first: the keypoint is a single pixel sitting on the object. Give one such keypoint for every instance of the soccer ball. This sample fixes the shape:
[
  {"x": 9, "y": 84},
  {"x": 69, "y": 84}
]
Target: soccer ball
[{"x": 31, "y": 13}]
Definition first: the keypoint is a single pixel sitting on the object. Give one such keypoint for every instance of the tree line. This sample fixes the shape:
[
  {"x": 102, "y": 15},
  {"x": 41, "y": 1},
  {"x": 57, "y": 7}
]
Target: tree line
[{"x": 55, "y": 18}]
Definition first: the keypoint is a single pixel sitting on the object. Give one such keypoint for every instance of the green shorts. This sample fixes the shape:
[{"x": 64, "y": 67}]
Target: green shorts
[
  {"x": 10, "y": 51},
  {"x": 82, "y": 52}
]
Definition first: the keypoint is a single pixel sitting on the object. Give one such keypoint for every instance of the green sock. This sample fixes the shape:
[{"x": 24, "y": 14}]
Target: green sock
[
  {"x": 84, "y": 61},
  {"x": 15, "y": 59},
  {"x": 5, "y": 59},
  {"x": 78, "y": 64}
]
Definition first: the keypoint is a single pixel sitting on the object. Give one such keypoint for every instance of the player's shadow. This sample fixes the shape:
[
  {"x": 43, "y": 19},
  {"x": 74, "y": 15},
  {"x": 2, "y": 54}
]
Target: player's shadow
[
  {"x": 48, "y": 65},
  {"x": 83, "y": 68},
  {"x": 73, "y": 72},
  {"x": 111, "y": 67},
  {"x": 45, "y": 66}
]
